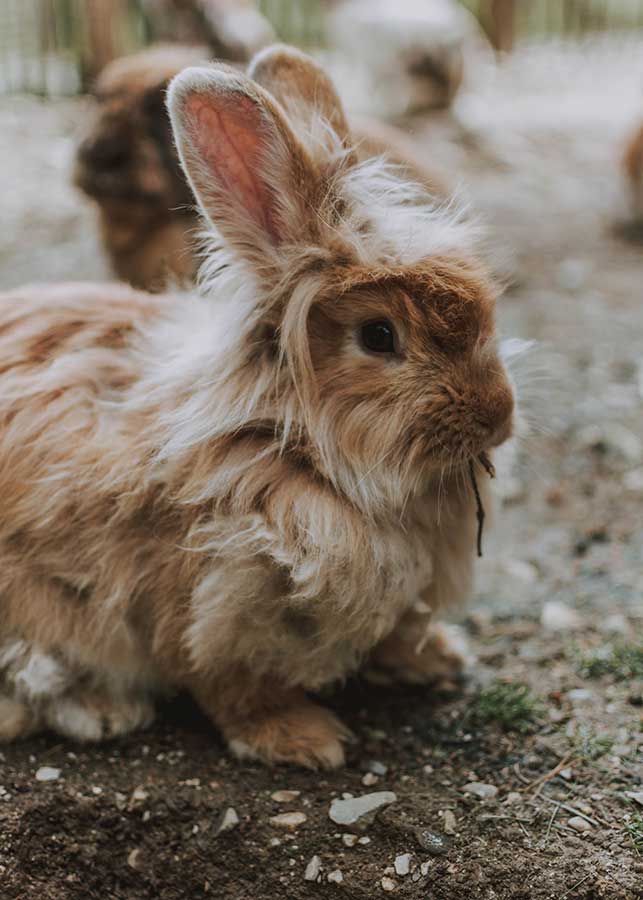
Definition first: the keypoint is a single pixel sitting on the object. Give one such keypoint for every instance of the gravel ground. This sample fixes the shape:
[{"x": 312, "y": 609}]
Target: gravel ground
[{"x": 527, "y": 782}]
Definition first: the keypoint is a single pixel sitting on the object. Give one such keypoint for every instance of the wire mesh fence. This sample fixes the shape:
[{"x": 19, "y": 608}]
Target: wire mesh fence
[{"x": 53, "y": 47}]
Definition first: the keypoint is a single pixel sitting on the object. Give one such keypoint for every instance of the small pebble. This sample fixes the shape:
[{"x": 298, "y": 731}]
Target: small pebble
[
  {"x": 290, "y": 820},
  {"x": 424, "y": 868},
  {"x": 139, "y": 794},
  {"x": 364, "y": 840},
  {"x": 636, "y": 796},
  {"x": 285, "y": 796},
  {"x": 349, "y": 840},
  {"x": 480, "y": 790},
  {"x": 47, "y": 773},
  {"x": 579, "y": 824},
  {"x": 134, "y": 858},
  {"x": 335, "y": 877},
  {"x": 514, "y": 797},
  {"x": 229, "y": 820},
  {"x": 449, "y": 822},
  {"x": 377, "y": 768},
  {"x": 313, "y": 869},
  {"x": 369, "y": 779},
  {"x": 402, "y": 864},
  {"x": 388, "y": 885},
  {"x": 435, "y": 844}
]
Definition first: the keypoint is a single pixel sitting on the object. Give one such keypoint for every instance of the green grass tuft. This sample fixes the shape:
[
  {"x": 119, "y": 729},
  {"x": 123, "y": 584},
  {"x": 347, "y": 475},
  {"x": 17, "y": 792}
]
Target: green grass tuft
[
  {"x": 622, "y": 661},
  {"x": 508, "y": 704},
  {"x": 634, "y": 828},
  {"x": 592, "y": 746}
]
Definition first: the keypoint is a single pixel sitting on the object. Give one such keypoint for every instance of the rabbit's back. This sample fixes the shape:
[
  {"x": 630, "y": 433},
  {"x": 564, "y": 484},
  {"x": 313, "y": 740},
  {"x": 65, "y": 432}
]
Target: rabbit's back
[{"x": 68, "y": 357}]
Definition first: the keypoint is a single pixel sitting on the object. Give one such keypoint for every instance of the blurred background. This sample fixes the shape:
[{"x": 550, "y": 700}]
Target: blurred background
[{"x": 56, "y": 47}]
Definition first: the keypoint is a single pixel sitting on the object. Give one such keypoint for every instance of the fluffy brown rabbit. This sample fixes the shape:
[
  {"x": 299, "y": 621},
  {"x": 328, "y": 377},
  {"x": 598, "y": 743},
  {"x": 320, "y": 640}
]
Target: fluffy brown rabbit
[
  {"x": 249, "y": 491},
  {"x": 128, "y": 164}
]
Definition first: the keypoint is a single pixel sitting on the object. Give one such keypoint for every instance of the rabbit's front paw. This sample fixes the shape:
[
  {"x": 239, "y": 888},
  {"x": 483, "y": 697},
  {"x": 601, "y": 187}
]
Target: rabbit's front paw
[
  {"x": 439, "y": 657},
  {"x": 16, "y": 720},
  {"x": 94, "y": 716},
  {"x": 304, "y": 734}
]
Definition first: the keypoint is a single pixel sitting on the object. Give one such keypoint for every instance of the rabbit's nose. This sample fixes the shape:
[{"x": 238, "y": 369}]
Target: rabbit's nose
[{"x": 501, "y": 416}]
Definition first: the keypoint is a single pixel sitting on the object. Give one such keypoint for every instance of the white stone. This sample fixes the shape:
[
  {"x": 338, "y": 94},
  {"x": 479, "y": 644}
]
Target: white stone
[
  {"x": 47, "y": 773},
  {"x": 388, "y": 885},
  {"x": 579, "y": 824},
  {"x": 313, "y": 869},
  {"x": 350, "y": 812},
  {"x": 402, "y": 864},
  {"x": 377, "y": 768},
  {"x": 369, "y": 779},
  {"x": 480, "y": 790},
  {"x": 349, "y": 840},
  {"x": 514, "y": 797},
  {"x": 636, "y": 796},
  {"x": 335, "y": 877}
]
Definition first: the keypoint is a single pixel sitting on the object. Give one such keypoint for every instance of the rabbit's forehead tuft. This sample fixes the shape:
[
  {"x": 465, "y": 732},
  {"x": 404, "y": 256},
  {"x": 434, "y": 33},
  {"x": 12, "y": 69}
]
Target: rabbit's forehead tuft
[{"x": 454, "y": 297}]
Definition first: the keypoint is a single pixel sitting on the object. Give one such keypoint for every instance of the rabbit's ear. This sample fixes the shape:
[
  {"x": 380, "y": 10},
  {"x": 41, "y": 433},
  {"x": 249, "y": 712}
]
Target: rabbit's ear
[
  {"x": 249, "y": 172},
  {"x": 300, "y": 85}
]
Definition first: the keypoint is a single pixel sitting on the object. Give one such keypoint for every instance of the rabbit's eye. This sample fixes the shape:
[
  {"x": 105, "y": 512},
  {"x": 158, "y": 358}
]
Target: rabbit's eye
[{"x": 378, "y": 337}]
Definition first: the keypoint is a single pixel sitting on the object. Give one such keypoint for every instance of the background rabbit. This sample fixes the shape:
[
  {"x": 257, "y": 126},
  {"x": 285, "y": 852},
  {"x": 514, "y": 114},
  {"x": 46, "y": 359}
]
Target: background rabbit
[
  {"x": 248, "y": 493},
  {"x": 128, "y": 165},
  {"x": 633, "y": 169}
]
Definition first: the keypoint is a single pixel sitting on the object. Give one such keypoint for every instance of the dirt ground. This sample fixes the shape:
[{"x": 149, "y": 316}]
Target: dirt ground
[{"x": 550, "y": 717}]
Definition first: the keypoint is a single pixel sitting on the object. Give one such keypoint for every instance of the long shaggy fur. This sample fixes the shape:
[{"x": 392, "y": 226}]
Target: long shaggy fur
[{"x": 223, "y": 490}]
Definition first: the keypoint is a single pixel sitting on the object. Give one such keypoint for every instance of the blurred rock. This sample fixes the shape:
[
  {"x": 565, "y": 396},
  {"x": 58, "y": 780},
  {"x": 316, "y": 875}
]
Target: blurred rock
[
  {"x": 480, "y": 790},
  {"x": 557, "y": 616}
]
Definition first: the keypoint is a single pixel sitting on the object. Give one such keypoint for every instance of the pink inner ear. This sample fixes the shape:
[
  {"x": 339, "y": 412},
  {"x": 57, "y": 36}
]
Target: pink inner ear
[{"x": 229, "y": 143}]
